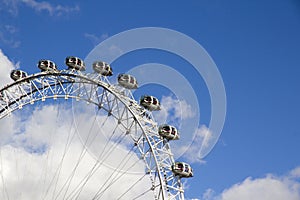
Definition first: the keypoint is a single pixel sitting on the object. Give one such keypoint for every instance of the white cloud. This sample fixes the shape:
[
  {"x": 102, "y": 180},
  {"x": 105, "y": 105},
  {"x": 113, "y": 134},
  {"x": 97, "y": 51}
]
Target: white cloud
[
  {"x": 5, "y": 68},
  {"x": 270, "y": 187},
  {"x": 174, "y": 110},
  {"x": 8, "y": 127},
  {"x": 31, "y": 158},
  {"x": 295, "y": 173},
  {"x": 201, "y": 139}
]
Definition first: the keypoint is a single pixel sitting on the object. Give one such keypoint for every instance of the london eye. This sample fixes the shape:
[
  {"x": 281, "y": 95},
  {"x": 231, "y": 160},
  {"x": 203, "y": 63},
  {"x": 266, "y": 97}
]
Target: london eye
[{"x": 101, "y": 144}]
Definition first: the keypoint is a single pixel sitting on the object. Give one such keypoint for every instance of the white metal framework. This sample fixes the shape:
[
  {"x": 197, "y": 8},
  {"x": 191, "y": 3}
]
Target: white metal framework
[{"x": 137, "y": 123}]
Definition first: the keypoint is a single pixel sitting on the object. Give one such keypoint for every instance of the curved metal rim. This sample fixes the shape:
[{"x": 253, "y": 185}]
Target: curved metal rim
[{"x": 65, "y": 73}]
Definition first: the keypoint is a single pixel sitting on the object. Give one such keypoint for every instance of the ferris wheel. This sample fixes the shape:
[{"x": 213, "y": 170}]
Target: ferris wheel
[{"x": 102, "y": 145}]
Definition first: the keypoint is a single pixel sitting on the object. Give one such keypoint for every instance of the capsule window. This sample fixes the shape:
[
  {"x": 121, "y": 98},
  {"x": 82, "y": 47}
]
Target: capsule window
[
  {"x": 173, "y": 131},
  {"x": 186, "y": 168},
  {"x": 148, "y": 99},
  {"x": 180, "y": 166},
  {"x": 23, "y": 75},
  {"x": 132, "y": 80},
  {"x": 167, "y": 128},
  {"x": 125, "y": 77}
]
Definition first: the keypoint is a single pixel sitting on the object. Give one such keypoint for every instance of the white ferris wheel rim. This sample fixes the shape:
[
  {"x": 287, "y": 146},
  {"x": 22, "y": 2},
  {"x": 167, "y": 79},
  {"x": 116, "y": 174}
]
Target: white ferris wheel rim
[{"x": 170, "y": 186}]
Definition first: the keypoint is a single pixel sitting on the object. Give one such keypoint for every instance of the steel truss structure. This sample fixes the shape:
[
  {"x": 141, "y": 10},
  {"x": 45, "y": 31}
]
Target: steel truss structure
[{"x": 118, "y": 103}]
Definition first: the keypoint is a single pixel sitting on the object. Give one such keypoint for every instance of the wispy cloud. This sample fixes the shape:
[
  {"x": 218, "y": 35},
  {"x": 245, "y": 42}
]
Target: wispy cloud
[
  {"x": 8, "y": 31},
  {"x": 96, "y": 39},
  {"x": 56, "y": 10},
  {"x": 12, "y": 7},
  {"x": 11, "y": 29},
  {"x": 208, "y": 194}
]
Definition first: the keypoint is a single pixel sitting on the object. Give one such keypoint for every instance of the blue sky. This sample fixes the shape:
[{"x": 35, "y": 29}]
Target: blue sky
[{"x": 255, "y": 45}]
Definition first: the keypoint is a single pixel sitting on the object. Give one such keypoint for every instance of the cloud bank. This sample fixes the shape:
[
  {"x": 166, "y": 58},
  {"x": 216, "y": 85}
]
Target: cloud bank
[
  {"x": 43, "y": 157},
  {"x": 270, "y": 187}
]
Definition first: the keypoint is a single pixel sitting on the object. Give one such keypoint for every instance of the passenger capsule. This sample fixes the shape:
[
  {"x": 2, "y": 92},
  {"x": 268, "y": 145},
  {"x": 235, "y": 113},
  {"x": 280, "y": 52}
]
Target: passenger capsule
[
  {"x": 17, "y": 74},
  {"x": 150, "y": 103},
  {"x": 102, "y": 68},
  {"x": 47, "y": 65},
  {"x": 182, "y": 169},
  {"x": 168, "y": 132},
  {"x": 127, "y": 81},
  {"x": 75, "y": 63}
]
